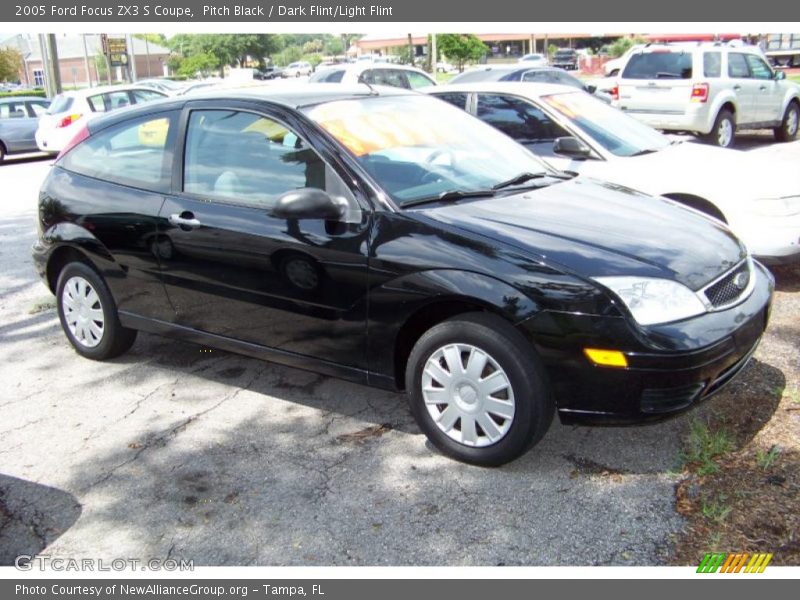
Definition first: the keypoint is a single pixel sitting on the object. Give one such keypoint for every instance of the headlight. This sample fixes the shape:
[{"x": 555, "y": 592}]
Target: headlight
[
  {"x": 653, "y": 300},
  {"x": 788, "y": 206}
]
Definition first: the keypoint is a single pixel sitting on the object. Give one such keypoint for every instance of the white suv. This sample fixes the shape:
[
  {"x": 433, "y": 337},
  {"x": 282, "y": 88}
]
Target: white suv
[{"x": 708, "y": 89}]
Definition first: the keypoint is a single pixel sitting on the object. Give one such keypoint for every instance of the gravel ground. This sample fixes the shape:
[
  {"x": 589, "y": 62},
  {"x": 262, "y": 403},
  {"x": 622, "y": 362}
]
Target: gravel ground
[{"x": 173, "y": 450}]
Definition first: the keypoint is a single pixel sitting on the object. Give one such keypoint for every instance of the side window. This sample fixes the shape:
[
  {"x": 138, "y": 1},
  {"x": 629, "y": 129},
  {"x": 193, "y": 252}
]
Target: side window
[
  {"x": 538, "y": 76},
  {"x": 250, "y": 159},
  {"x": 97, "y": 103},
  {"x": 37, "y": 109},
  {"x": 737, "y": 66},
  {"x": 457, "y": 99},
  {"x": 758, "y": 67},
  {"x": 13, "y": 110},
  {"x": 566, "y": 79},
  {"x": 118, "y": 100},
  {"x": 417, "y": 80},
  {"x": 520, "y": 120},
  {"x": 390, "y": 77},
  {"x": 712, "y": 64},
  {"x": 134, "y": 153},
  {"x": 141, "y": 96}
]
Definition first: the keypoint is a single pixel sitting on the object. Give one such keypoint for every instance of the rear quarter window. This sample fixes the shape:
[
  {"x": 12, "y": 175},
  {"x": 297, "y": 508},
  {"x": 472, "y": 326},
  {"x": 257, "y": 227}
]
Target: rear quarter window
[
  {"x": 712, "y": 64},
  {"x": 60, "y": 104},
  {"x": 659, "y": 65},
  {"x": 136, "y": 153}
]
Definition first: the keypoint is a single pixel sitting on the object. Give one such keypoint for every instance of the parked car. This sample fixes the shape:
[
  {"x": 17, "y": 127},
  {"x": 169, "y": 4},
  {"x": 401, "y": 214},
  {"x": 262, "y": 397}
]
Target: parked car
[
  {"x": 268, "y": 73},
  {"x": 388, "y": 238},
  {"x": 69, "y": 111},
  {"x": 710, "y": 90},
  {"x": 373, "y": 73},
  {"x": 573, "y": 131},
  {"x": 534, "y": 60},
  {"x": 167, "y": 86},
  {"x": 613, "y": 67},
  {"x": 565, "y": 58},
  {"x": 528, "y": 75},
  {"x": 19, "y": 118},
  {"x": 297, "y": 69}
]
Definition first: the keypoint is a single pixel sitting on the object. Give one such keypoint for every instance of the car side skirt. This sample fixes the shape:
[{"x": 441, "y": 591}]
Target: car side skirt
[{"x": 282, "y": 357}]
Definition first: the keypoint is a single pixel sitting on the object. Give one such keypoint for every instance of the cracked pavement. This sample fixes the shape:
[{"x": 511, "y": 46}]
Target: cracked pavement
[{"x": 174, "y": 451}]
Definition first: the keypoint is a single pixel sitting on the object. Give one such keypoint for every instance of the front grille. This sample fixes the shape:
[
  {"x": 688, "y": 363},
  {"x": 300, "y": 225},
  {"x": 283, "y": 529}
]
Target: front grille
[{"x": 730, "y": 287}]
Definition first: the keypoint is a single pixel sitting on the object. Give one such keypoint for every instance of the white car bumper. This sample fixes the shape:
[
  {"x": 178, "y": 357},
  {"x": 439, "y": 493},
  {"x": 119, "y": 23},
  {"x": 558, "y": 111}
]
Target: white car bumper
[{"x": 773, "y": 240}]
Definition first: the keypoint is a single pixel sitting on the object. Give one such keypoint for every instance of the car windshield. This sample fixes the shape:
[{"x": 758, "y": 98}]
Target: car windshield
[
  {"x": 421, "y": 148},
  {"x": 612, "y": 129}
]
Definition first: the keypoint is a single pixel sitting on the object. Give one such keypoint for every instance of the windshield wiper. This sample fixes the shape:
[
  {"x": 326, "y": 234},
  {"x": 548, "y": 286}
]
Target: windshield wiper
[
  {"x": 449, "y": 195},
  {"x": 643, "y": 152},
  {"x": 524, "y": 177}
]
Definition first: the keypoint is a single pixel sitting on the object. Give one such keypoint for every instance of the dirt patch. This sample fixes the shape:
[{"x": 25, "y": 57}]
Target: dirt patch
[{"x": 747, "y": 498}]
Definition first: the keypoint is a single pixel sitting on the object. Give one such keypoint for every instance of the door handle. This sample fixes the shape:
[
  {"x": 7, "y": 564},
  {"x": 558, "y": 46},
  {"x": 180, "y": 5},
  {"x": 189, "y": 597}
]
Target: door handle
[
  {"x": 763, "y": 88},
  {"x": 185, "y": 220},
  {"x": 736, "y": 88}
]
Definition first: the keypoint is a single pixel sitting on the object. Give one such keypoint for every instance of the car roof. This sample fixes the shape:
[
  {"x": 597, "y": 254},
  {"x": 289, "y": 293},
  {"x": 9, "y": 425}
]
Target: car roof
[
  {"x": 294, "y": 95},
  {"x": 23, "y": 99},
  {"x": 366, "y": 65},
  {"x": 505, "y": 69},
  {"x": 520, "y": 88},
  {"x": 104, "y": 89}
]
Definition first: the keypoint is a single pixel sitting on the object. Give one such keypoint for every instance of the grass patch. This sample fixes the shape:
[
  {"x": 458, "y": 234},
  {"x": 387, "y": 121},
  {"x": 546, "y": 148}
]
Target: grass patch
[
  {"x": 765, "y": 460},
  {"x": 715, "y": 509},
  {"x": 42, "y": 305},
  {"x": 704, "y": 446}
]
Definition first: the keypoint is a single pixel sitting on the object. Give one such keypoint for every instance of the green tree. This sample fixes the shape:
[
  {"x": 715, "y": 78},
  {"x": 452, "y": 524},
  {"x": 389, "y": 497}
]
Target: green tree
[
  {"x": 623, "y": 44},
  {"x": 195, "y": 64},
  {"x": 288, "y": 55},
  {"x": 10, "y": 64},
  {"x": 461, "y": 48}
]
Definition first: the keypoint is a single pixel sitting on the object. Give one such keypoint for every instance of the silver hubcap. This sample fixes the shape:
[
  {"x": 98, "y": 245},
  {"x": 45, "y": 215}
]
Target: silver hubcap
[
  {"x": 83, "y": 312},
  {"x": 791, "y": 122},
  {"x": 725, "y": 132},
  {"x": 468, "y": 395}
]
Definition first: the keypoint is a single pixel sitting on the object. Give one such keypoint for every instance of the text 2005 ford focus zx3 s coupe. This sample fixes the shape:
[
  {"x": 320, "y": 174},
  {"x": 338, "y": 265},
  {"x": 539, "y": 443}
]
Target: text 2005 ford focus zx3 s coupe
[{"x": 393, "y": 240}]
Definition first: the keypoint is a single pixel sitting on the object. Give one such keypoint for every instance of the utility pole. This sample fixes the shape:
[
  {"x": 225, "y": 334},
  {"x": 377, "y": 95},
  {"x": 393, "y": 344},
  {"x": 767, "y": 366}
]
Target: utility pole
[
  {"x": 86, "y": 61},
  {"x": 410, "y": 50},
  {"x": 434, "y": 56},
  {"x": 147, "y": 53},
  {"x": 132, "y": 61},
  {"x": 55, "y": 68}
]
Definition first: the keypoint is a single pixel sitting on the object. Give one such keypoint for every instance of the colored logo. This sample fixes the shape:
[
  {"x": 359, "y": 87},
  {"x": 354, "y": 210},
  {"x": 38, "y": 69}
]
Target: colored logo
[{"x": 734, "y": 562}]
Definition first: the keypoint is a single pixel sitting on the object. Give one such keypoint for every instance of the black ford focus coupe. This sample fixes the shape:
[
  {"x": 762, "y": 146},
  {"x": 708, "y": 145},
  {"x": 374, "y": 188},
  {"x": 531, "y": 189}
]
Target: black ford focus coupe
[{"x": 393, "y": 240}]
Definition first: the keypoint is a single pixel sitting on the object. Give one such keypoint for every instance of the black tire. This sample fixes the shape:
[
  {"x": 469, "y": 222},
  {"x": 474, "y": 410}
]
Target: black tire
[
  {"x": 2, "y": 153},
  {"x": 715, "y": 136},
  {"x": 787, "y": 131},
  {"x": 533, "y": 403},
  {"x": 114, "y": 339}
]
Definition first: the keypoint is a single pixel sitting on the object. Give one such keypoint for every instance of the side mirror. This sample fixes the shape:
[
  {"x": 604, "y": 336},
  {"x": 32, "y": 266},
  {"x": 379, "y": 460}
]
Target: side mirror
[
  {"x": 590, "y": 88},
  {"x": 571, "y": 147},
  {"x": 308, "y": 203},
  {"x": 779, "y": 75}
]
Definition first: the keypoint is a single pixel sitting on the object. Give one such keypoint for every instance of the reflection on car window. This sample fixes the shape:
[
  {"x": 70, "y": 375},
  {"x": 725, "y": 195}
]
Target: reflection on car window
[
  {"x": 615, "y": 131},
  {"x": 390, "y": 77},
  {"x": 417, "y": 80},
  {"x": 141, "y": 96},
  {"x": 416, "y": 147},
  {"x": 13, "y": 110},
  {"x": 97, "y": 103},
  {"x": 737, "y": 66},
  {"x": 712, "y": 64},
  {"x": 132, "y": 153},
  {"x": 38, "y": 108},
  {"x": 457, "y": 99},
  {"x": 659, "y": 65},
  {"x": 521, "y": 120},
  {"x": 247, "y": 158},
  {"x": 758, "y": 67}
]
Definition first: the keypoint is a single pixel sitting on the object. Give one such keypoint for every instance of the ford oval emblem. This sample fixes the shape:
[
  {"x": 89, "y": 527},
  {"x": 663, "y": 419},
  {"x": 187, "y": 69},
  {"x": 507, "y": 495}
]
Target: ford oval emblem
[{"x": 741, "y": 280}]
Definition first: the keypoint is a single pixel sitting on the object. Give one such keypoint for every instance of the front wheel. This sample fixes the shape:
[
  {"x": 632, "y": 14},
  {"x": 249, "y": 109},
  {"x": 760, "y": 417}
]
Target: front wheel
[
  {"x": 723, "y": 134},
  {"x": 478, "y": 390},
  {"x": 88, "y": 314},
  {"x": 788, "y": 128}
]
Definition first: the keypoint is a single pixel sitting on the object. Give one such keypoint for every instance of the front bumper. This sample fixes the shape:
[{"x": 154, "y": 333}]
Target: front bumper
[
  {"x": 670, "y": 368},
  {"x": 773, "y": 240}
]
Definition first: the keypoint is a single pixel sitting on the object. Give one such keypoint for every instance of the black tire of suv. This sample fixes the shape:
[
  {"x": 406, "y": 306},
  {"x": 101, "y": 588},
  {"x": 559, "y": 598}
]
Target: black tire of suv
[
  {"x": 2, "y": 153},
  {"x": 116, "y": 339},
  {"x": 782, "y": 133},
  {"x": 713, "y": 136},
  {"x": 534, "y": 404}
]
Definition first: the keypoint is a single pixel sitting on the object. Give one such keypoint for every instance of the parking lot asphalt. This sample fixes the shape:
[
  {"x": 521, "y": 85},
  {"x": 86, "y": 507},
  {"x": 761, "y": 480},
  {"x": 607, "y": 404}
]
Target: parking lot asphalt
[{"x": 178, "y": 451}]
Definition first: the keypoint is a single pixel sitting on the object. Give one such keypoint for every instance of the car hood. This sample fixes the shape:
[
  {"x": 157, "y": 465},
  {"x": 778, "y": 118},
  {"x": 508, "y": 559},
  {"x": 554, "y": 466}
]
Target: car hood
[
  {"x": 718, "y": 173},
  {"x": 594, "y": 228}
]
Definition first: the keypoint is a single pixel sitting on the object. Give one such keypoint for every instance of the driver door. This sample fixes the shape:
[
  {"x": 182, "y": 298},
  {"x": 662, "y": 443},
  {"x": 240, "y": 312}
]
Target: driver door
[{"x": 232, "y": 269}]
